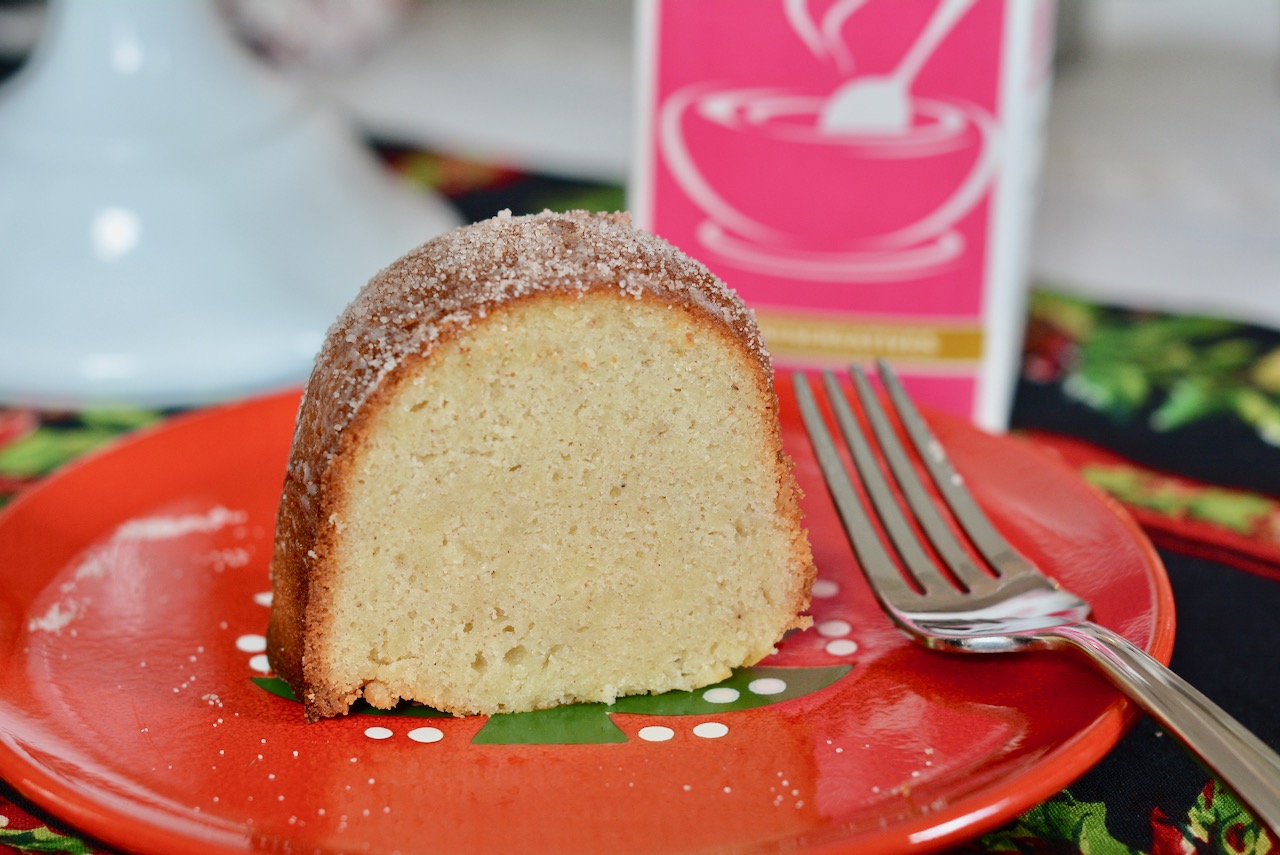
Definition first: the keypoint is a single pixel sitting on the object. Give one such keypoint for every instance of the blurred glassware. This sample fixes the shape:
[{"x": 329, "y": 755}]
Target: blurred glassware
[
  {"x": 323, "y": 35},
  {"x": 178, "y": 224},
  {"x": 543, "y": 86}
]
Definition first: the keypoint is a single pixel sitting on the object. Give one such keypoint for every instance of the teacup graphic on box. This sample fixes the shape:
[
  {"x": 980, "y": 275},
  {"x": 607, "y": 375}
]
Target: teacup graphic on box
[{"x": 863, "y": 183}]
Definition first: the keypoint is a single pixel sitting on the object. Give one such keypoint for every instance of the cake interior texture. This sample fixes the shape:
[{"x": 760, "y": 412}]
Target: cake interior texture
[{"x": 566, "y": 502}]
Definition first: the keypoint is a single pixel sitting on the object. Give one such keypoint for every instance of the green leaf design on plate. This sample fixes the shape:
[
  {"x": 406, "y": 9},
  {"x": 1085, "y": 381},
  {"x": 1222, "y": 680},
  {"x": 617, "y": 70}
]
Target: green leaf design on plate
[
  {"x": 572, "y": 724},
  {"x": 41, "y": 839},
  {"x": 275, "y": 686},
  {"x": 583, "y": 723},
  {"x": 576, "y": 724},
  {"x": 798, "y": 682}
]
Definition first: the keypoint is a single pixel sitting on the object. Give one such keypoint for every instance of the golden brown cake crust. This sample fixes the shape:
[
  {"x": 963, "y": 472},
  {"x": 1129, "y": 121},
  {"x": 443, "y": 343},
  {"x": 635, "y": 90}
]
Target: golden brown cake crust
[{"x": 399, "y": 319}]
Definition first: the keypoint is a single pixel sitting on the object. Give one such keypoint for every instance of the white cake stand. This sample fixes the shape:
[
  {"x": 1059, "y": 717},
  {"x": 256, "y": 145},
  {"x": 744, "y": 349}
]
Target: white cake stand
[{"x": 176, "y": 225}]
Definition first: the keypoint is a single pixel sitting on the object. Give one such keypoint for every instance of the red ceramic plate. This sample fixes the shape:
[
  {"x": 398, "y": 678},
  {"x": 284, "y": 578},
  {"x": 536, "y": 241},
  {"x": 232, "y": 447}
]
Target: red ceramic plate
[{"x": 132, "y": 616}]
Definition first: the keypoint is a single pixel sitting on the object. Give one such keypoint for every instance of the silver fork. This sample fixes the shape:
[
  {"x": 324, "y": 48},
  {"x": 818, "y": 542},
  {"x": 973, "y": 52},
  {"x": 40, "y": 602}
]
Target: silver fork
[{"x": 1011, "y": 606}]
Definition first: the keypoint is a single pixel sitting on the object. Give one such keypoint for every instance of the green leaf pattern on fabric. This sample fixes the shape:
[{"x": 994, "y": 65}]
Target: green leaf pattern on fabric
[
  {"x": 42, "y": 839},
  {"x": 1239, "y": 511},
  {"x": 1215, "y": 823},
  {"x": 1219, "y": 820},
  {"x": 33, "y": 444},
  {"x": 56, "y": 441},
  {"x": 45, "y": 449},
  {"x": 1061, "y": 820},
  {"x": 1171, "y": 370}
]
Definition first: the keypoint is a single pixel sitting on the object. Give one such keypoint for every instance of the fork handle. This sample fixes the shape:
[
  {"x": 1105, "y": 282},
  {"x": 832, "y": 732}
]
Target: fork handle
[{"x": 1240, "y": 759}]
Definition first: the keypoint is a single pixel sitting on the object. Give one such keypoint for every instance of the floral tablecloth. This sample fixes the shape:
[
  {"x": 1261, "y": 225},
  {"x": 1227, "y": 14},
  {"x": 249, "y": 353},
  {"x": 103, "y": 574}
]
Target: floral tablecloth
[{"x": 1177, "y": 417}]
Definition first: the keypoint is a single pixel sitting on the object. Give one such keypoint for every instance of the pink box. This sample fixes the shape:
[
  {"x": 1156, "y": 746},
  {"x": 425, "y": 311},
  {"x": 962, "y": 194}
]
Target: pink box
[{"x": 861, "y": 171}]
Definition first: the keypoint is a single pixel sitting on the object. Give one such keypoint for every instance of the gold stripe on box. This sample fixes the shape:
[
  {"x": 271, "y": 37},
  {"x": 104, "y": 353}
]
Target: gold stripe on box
[{"x": 845, "y": 338}]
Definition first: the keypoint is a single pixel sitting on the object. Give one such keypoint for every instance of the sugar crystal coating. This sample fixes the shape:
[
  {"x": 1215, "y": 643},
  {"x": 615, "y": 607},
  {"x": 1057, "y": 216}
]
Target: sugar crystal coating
[{"x": 446, "y": 285}]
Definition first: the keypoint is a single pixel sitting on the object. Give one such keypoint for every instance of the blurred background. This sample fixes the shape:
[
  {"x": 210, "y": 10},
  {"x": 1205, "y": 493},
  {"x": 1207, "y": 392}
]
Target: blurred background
[
  {"x": 1161, "y": 182},
  {"x": 1165, "y": 117}
]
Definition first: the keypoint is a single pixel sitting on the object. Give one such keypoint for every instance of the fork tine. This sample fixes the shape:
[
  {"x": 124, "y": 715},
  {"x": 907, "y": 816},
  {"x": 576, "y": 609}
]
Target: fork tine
[
  {"x": 913, "y": 490},
  {"x": 887, "y": 582},
  {"x": 1003, "y": 558},
  {"x": 918, "y": 563}
]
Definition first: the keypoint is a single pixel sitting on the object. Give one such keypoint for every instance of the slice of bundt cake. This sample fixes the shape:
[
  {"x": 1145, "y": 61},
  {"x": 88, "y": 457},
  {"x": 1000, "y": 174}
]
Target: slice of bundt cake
[{"x": 538, "y": 461}]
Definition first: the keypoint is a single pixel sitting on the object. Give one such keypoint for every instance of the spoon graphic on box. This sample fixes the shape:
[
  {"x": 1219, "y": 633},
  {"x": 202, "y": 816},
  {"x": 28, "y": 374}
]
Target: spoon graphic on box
[{"x": 881, "y": 104}]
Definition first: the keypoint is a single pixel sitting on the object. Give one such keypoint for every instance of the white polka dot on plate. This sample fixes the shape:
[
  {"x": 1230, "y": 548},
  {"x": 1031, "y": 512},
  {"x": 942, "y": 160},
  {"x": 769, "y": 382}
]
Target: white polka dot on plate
[
  {"x": 260, "y": 664},
  {"x": 262, "y": 598},
  {"x": 834, "y": 628},
  {"x": 720, "y": 695},
  {"x": 842, "y": 646},
  {"x": 710, "y": 730},
  {"x": 426, "y": 734},
  {"x": 251, "y": 643},
  {"x": 767, "y": 686},
  {"x": 825, "y": 589},
  {"x": 656, "y": 733},
  {"x": 379, "y": 732}
]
